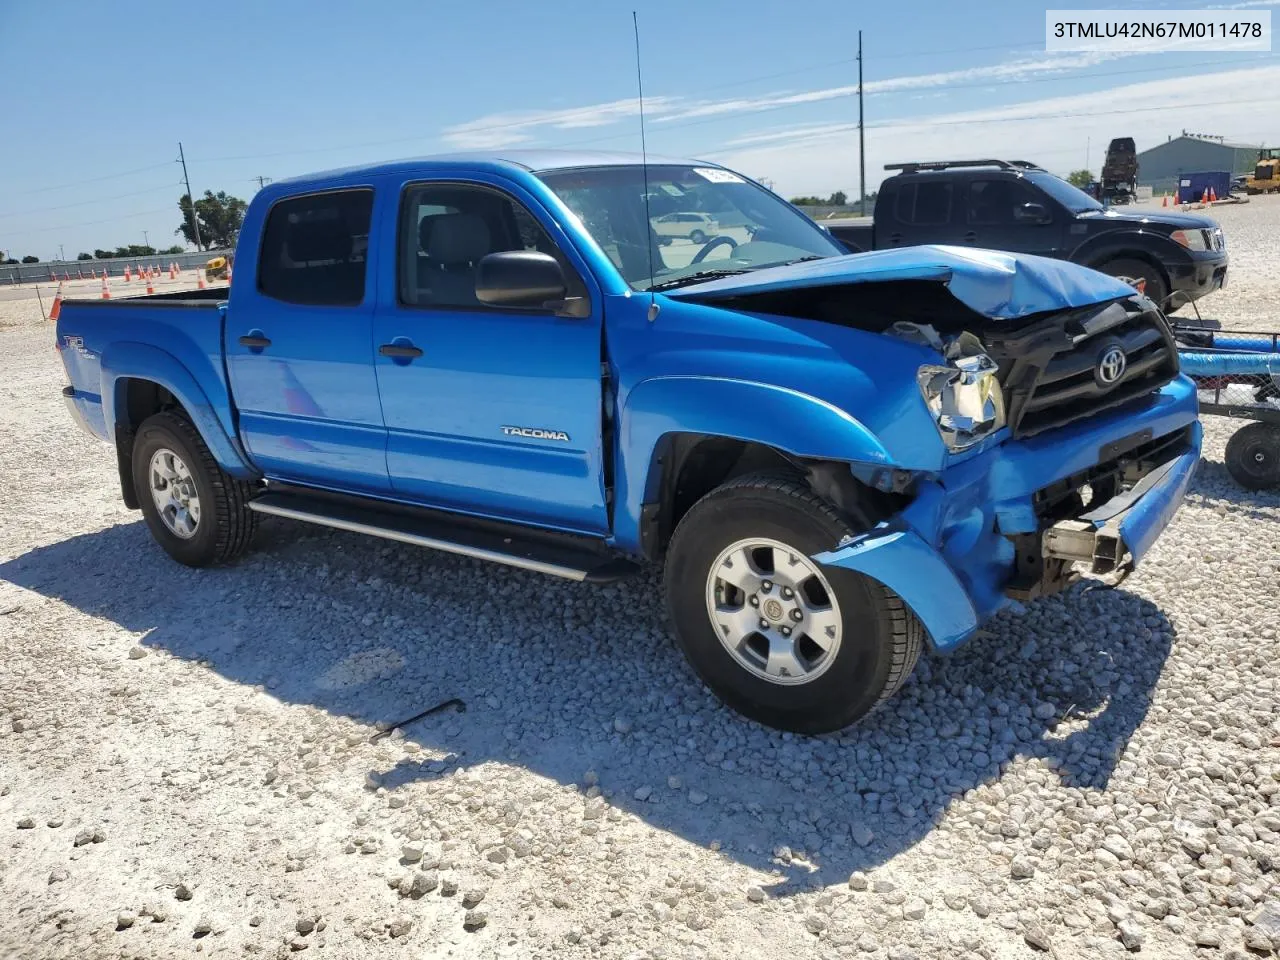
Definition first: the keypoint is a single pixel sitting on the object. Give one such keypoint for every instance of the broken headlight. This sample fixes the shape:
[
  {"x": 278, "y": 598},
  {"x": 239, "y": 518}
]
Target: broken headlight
[{"x": 964, "y": 398}]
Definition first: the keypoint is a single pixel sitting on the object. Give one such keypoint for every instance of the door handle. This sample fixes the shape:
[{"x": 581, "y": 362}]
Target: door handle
[
  {"x": 971, "y": 237},
  {"x": 254, "y": 340},
  {"x": 895, "y": 238},
  {"x": 400, "y": 350}
]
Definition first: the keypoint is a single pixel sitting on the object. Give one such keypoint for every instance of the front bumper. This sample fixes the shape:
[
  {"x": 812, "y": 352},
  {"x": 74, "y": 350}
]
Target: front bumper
[
  {"x": 953, "y": 553},
  {"x": 1203, "y": 274}
]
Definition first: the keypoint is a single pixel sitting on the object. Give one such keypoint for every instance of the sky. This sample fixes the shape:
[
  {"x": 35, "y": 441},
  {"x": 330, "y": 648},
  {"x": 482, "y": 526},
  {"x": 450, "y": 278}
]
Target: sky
[{"x": 97, "y": 96}]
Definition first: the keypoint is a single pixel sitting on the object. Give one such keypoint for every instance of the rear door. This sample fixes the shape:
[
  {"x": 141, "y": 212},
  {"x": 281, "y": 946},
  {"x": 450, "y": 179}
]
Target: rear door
[
  {"x": 924, "y": 211},
  {"x": 299, "y": 344},
  {"x": 489, "y": 410}
]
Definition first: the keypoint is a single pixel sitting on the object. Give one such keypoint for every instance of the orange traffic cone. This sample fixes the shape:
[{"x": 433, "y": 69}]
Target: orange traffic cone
[
  {"x": 1165, "y": 203},
  {"x": 57, "y": 305},
  {"x": 126, "y": 273},
  {"x": 1205, "y": 198},
  {"x": 173, "y": 271},
  {"x": 200, "y": 280},
  {"x": 151, "y": 287},
  {"x": 106, "y": 290},
  {"x": 1213, "y": 195},
  {"x": 228, "y": 273}
]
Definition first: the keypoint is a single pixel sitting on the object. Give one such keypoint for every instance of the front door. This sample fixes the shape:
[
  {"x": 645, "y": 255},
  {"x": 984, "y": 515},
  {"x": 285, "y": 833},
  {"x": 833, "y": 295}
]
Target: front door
[
  {"x": 1007, "y": 214},
  {"x": 299, "y": 342},
  {"x": 489, "y": 410}
]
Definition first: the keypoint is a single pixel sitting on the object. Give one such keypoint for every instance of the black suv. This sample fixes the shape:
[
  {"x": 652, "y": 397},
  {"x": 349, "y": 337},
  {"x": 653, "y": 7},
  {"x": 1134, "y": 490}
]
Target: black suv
[{"x": 1017, "y": 206}]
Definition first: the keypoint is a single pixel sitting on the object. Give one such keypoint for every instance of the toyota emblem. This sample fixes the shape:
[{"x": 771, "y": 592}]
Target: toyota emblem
[{"x": 1111, "y": 366}]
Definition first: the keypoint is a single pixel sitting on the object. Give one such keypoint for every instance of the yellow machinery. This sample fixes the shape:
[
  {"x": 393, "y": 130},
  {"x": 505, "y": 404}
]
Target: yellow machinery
[
  {"x": 1266, "y": 175},
  {"x": 216, "y": 269}
]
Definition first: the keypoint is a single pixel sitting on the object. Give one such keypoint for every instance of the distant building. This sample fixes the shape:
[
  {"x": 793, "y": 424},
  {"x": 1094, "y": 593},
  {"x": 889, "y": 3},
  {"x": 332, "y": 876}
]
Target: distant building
[{"x": 1161, "y": 166}]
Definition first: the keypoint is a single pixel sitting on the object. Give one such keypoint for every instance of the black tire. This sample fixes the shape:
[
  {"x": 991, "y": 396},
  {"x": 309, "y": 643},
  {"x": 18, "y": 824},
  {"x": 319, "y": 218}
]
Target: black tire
[
  {"x": 698, "y": 236},
  {"x": 226, "y": 524},
  {"x": 1157, "y": 287},
  {"x": 881, "y": 638},
  {"x": 1253, "y": 456}
]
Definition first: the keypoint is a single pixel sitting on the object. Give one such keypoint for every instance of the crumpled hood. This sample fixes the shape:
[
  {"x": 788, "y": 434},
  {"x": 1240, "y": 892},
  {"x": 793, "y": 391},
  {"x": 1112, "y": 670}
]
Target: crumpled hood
[{"x": 1002, "y": 286}]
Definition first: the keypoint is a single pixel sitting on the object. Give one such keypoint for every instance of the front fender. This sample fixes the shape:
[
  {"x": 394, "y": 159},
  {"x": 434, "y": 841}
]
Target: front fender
[
  {"x": 124, "y": 360},
  {"x": 1130, "y": 245},
  {"x": 779, "y": 417}
]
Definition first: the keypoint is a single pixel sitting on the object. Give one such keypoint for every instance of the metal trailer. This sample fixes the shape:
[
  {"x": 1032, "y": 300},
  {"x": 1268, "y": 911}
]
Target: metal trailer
[{"x": 1237, "y": 374}]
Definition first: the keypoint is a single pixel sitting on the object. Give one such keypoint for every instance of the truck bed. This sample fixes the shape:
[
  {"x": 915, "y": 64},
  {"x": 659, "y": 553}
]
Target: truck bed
[
  {"x": 175, "y": 335},
  {"x": 856, "y": 233}
]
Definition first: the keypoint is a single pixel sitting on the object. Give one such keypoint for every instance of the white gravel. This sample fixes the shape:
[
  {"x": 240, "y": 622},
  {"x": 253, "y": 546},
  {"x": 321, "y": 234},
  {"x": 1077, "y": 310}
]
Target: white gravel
[{"x": 1096, "y": 776}]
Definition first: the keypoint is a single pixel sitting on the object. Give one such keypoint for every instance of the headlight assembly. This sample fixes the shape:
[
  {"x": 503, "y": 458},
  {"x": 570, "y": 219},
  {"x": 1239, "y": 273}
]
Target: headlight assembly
[{"x": 965, "y": 399}]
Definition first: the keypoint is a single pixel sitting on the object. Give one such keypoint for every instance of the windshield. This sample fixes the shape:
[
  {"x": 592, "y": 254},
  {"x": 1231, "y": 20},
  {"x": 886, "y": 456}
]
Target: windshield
[
  {"x": 1074, "y": 199},
  {"x": 703, "y": 221}
]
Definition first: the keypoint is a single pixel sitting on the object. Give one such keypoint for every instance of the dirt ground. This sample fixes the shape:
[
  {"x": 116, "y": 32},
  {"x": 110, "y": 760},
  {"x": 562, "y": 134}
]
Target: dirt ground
[{"x": 190, "y": 761}]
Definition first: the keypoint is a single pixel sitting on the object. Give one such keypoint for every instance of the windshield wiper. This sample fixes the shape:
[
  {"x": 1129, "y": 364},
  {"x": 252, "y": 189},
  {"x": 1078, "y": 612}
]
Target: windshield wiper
[{"x": 696, "y": 277}]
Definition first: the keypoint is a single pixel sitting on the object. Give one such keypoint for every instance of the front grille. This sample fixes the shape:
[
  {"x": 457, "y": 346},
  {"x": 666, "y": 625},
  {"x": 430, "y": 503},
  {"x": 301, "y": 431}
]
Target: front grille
[{"x": 1066, "y": 368}]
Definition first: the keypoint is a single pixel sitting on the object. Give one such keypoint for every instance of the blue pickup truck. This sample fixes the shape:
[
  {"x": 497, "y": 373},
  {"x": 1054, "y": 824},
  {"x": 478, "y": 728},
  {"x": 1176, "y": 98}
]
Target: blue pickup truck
[{"x": 839, "y": 458}]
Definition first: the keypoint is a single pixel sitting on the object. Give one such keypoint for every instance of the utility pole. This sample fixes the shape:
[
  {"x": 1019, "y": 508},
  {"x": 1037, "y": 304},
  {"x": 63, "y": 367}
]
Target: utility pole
[
  {"x": 262, "y": 181},
  {"x": 146, "y": 240},
  {"x": 61, "y": 255},
  {"x": 195, "y": 223},
  {"x": 862, "y": 142}
]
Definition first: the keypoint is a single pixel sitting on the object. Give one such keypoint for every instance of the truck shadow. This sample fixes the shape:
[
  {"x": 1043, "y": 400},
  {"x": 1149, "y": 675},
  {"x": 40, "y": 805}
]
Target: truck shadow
[{"x": 562, "y": 678}]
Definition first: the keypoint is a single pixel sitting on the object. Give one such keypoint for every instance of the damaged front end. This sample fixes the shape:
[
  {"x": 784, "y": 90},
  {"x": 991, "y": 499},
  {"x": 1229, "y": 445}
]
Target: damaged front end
[
  {"x": 1099, "y": 445},
  {"x": 1065, "y": 436}
]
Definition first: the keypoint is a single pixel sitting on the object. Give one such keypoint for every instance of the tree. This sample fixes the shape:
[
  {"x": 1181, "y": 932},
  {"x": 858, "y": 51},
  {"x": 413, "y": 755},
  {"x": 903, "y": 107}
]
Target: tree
[
  {"x": 30, "y": 259},
  {"x": 176, "y": 248},
  {"x": 837, "y": 199},
  {"x": 85, "y": 256},
  {"x": 219, "y": 216},
  {"x": 1080, "y": 178}
]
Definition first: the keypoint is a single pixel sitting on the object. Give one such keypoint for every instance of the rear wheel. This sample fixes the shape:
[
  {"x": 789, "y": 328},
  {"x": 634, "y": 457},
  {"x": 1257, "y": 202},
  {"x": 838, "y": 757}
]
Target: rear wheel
[
  {"x": 1157, "y": 288},
  {"x": 1253, "y": 456},
  {"x": 196, "y": 511},
  {"x": 698, "y": 236},
  {"x": 777, "y": 636}
]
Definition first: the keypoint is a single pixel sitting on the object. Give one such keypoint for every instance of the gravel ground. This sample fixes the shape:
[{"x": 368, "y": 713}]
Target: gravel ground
[{"x": 188, "y": 761}]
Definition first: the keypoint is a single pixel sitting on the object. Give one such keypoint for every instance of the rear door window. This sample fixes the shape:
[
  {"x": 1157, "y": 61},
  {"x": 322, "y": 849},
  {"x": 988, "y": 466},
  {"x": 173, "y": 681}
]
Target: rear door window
[
  {"x": 314, "y": 248},
  {"x": 923, "y": 203}
]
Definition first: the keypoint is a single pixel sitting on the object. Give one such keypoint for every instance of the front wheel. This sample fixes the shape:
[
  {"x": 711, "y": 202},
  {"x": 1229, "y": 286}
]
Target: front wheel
[
  {"x": 1253, "y": 456},
  {"x": 196, "y": 511},
  {"x": 698, "y": 236},
  {"x": 1156, "y": 287},
  {"x": 777, "y": 636}
]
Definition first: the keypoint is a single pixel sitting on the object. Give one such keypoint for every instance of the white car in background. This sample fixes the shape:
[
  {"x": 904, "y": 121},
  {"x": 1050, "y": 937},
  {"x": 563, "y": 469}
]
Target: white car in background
[{"x": 697, "y": 227}]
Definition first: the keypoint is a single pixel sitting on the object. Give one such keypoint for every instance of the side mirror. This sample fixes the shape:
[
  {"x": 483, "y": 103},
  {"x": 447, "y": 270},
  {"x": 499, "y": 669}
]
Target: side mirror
[
  {"x": 520, "y": 278},
  {"x": 1031, "y": 213}
]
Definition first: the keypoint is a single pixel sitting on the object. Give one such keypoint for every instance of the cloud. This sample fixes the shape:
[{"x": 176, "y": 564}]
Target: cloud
[
  {"x": 1058, "y": 132},
  {"x": 505, "y": 129},
  {"x": 1014, "y": 70}
]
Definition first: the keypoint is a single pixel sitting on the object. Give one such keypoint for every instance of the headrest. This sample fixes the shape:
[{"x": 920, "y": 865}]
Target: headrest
[
  {"x": 458, "y": 238},
  {"x": 318, "y": 240}
]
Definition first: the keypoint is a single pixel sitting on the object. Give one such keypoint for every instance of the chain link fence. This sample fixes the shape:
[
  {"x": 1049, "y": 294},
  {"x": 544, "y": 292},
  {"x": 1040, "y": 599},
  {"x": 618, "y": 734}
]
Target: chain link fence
[{"x": 15, "y": 274}]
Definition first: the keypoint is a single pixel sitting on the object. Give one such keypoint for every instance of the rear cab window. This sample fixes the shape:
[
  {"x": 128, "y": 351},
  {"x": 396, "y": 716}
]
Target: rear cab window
[{"x": 315, "y": 248}]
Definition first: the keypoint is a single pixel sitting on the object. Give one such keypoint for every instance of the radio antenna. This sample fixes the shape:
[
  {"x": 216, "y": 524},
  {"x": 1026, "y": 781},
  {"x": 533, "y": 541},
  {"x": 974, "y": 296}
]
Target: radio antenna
[{"x": 644, "y": 166}]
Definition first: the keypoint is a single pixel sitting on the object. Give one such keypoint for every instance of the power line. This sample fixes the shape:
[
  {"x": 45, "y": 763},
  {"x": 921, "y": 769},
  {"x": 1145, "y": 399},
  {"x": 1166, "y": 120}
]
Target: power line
[
  {"x": 67, "y": 206},
  {"x": 91, "y": 223},
  {"x": 852, "y": 91},
  {"x": 109, "y": 176}
]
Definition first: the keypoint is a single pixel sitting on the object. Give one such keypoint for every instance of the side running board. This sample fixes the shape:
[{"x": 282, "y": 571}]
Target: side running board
[{"x": 561, "y": 555}]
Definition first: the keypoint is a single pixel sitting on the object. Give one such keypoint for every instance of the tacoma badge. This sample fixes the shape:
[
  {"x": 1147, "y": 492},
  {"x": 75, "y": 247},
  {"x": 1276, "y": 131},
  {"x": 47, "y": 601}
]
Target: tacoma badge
[{"x": 535, "y": 433}]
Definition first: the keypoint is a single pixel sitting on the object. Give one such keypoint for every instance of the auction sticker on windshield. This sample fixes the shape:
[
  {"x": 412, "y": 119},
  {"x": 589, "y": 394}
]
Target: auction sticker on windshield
[
  {"x": 1129, "y": 31},
  {"x": 717, "y": 176}
]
